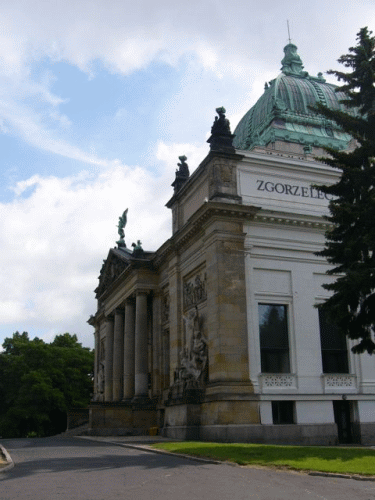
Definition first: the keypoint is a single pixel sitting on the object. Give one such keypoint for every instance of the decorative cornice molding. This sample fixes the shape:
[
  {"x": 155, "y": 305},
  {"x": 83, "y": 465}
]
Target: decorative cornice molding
[
  {"x": 293, "y": 221},
  {"x": 194, "y": 225}
]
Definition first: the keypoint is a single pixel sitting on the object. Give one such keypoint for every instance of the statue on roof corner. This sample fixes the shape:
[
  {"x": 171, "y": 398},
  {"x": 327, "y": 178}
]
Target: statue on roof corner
[
  {"x": 121, "y": 226},
  {"x": 137, "y": 249},
  {"x": 182, "y": 174},
  {"x": 183, "y": 167},
  {"x": 221, "y": 136}
]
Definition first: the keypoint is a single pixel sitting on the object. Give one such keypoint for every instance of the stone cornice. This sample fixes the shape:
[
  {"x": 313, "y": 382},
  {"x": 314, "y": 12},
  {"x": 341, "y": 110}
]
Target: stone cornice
[
  {"x": 196, "y": 222},
  {"x": 293, "y": 220},
  {"x": 200, "y": 170}
]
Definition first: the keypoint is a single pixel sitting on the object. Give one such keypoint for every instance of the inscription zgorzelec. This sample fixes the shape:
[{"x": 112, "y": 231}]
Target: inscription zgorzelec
[{"x": 292, "y": 190}]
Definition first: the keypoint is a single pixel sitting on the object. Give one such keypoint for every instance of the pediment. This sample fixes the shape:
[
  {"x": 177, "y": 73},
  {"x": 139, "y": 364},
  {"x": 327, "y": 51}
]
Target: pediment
[{"x": 113, "y": 266}]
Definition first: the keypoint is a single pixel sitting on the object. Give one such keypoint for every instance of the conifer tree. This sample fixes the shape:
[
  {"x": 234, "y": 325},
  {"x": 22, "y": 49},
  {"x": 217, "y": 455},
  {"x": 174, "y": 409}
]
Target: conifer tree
[{"x": 350, "y": 243}]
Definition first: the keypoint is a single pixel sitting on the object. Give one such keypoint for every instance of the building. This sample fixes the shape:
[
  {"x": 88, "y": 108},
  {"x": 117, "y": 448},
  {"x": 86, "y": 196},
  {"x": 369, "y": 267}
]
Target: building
[{"x": 215, "y": 336}]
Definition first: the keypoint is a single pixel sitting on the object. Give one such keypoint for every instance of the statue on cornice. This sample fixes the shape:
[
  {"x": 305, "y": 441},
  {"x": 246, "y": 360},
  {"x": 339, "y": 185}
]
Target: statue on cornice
[
  {"x": 292, "y": 63},
  {"x": 221, "y": 137},
  {"x": 183, "y": 168},
  {"x": 182, "y": 174},
  {"x": 121, "y": 226},
  {"x": 137, "y": 249}
]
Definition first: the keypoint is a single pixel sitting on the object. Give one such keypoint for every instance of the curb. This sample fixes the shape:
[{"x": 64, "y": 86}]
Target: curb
[
  {"x": 343, "y": 476},
  {"x": 8, "y": 458},
  {"x": 143, "y": 447}
]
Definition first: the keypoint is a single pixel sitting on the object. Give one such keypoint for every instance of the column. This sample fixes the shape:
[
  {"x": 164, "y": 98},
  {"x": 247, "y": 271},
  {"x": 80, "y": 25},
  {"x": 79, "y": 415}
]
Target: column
[
  {"x": 141, "y": 364},
  {"x": 108, "y": 387},
  {"x": 129, "y": 350},
  {"x": 96, "y": 363},
  {"x": 118, "y": 350}
]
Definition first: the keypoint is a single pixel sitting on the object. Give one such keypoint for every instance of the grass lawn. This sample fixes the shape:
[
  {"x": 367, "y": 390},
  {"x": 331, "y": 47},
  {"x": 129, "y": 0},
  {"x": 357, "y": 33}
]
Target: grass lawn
[{"x": 313, "y": 458}]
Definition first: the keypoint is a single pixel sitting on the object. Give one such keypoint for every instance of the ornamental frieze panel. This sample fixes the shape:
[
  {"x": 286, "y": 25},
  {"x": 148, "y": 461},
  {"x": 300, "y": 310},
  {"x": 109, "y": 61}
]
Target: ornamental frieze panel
[
  {"x": 195, "y": 290},
  {"x": 339, "y": 382},
  {"x": 165, "y": 305},
  {"x": 110, "y": 271}
]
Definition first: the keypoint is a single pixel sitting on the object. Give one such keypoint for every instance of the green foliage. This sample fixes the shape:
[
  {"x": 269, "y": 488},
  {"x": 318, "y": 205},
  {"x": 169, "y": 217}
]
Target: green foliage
[
  {"x": 350, "y": 244},
  {"x": 326, "y": 459},
  {"x": 39, "y": 382}
]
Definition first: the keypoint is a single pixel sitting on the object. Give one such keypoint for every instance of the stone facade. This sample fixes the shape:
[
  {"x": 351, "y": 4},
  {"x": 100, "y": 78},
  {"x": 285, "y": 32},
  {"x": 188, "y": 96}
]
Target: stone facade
[
  {"x": 177, "y": 330},
  {"x": 216, "y": 335}
]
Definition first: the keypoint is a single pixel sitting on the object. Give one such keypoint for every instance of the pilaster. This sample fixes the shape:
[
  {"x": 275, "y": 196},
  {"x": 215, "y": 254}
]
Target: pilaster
[
  {"x": 141, "y": 353},
  {"x": 129, "y": 345},
  {"x": 118, "y": 350},
  {"x": 108, "y": 378}
]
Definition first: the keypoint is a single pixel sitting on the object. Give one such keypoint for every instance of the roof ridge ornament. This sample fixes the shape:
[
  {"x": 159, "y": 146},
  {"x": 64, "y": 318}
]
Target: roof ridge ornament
[{"x": 292, "y": 63}]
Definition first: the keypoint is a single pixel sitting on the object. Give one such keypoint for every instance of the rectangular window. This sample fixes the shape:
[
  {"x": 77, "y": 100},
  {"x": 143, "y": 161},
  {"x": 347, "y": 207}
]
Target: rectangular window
[
  {"x": 274, "y": 341},
  {"x": 334, "y": 348},
  {"x": 283, "y": 412}
]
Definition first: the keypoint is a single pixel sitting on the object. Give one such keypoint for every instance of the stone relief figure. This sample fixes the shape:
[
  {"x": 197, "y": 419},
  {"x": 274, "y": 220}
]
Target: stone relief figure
[
  {"x": 195, "y": 291},
  {"x": 101, "y": 379},
  {"x": 121, "y": 226},
  {"x": 194, "y": 354},
  {"x": 165, "y": 308}
]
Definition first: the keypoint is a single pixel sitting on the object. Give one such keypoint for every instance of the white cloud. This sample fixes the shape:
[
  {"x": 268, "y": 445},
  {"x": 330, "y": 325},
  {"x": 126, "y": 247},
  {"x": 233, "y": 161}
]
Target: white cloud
[
  {"x": 56, "y": 231},
  {"x": 225, "y": 41},
  {"x": 54, "y": 240}
]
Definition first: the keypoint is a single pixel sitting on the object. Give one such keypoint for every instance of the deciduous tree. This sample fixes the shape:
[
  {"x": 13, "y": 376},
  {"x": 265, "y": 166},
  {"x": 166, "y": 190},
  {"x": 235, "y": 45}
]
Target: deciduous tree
[{"x": 39, "y": 382}]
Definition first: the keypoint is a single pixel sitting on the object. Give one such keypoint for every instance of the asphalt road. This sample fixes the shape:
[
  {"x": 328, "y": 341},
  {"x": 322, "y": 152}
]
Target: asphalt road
[{"x": 73, "y": 468}]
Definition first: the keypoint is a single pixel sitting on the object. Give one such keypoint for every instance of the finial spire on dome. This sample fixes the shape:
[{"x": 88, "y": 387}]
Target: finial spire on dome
[
  {"x": 292, "y": 63},
  {"x": 287, "y": 23}
]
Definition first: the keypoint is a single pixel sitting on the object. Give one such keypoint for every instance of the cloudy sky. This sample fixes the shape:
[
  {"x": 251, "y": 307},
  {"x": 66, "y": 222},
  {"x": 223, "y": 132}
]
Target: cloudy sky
[{"x": 97, "y": 100}]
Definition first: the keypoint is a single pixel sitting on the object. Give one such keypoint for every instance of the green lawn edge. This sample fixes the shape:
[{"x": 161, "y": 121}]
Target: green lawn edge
[{"x": 339, "y": 460}]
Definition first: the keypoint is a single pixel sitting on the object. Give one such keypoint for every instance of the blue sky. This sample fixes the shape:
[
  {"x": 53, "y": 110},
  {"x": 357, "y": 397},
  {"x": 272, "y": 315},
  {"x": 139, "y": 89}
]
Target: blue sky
[{"x": 97, "y": 101}]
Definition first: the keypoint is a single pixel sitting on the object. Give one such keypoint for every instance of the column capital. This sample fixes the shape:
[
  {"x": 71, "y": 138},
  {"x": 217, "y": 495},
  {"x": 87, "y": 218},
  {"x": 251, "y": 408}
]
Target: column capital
[{"x": 142, "y": 291}]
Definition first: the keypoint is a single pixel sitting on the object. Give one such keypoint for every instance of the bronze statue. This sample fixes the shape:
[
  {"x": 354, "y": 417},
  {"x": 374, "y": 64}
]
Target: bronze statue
[{"x": 121, "y": 225}]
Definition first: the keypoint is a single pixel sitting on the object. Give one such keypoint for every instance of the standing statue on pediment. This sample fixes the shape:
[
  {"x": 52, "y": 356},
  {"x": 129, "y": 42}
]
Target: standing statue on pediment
[{"x": 121, "y": 226}]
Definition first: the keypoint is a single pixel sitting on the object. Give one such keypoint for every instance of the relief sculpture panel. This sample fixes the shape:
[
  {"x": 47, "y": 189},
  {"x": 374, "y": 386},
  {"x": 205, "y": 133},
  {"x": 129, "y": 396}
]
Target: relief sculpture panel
[{"x": 195, "y": 290}]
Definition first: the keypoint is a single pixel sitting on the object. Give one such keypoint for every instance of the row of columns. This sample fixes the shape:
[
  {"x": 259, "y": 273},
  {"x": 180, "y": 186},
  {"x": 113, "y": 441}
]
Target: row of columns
[{"x": 126, "y": 356}]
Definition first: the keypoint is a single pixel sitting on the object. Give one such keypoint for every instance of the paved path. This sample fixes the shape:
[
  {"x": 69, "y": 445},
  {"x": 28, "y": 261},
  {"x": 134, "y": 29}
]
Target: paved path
[{"x": 73, "y": 468}]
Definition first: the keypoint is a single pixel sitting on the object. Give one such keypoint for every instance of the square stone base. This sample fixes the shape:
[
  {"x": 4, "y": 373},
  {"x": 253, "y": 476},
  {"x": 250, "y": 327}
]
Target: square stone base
[
  {"x": 120, "y": 420},
  {"x": 318, "y": 434}
]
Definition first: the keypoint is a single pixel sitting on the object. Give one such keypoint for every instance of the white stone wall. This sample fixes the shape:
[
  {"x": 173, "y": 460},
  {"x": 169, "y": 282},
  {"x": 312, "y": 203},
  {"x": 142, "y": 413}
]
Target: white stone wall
[{"x": 282, "y": 268}]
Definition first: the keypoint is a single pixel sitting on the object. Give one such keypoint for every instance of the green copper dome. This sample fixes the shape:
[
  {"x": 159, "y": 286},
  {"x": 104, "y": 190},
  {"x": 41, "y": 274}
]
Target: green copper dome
[{"x": 282, "y": 113}]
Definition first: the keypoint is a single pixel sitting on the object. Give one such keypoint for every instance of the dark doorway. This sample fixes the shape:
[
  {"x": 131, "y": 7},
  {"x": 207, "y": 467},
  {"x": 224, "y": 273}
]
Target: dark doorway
[{"x": 343, "y": 418}]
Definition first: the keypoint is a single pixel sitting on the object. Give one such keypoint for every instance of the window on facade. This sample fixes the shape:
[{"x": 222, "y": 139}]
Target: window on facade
[
  {"x": 334, "y": 349},
  {"x": 283, "y": 412},
  {"x": 274, "y": 342}
]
